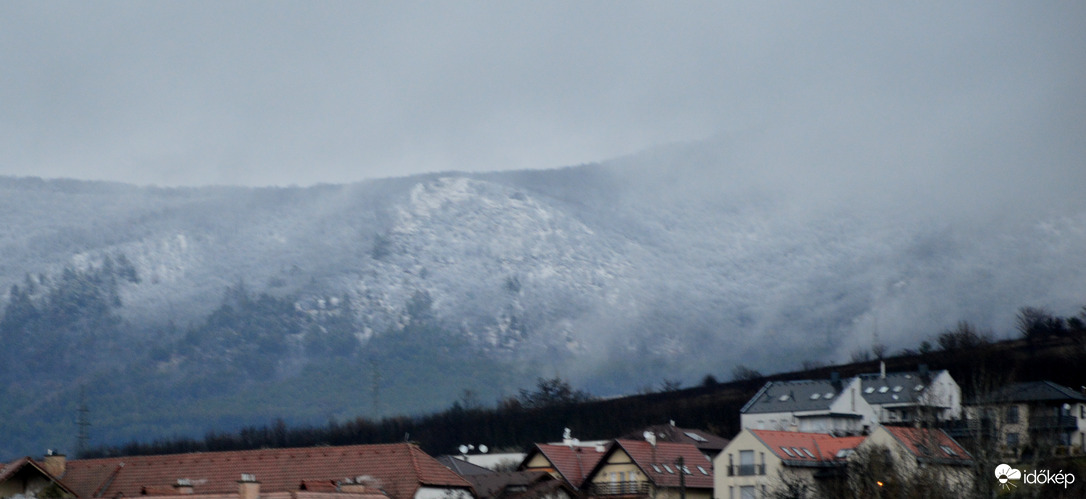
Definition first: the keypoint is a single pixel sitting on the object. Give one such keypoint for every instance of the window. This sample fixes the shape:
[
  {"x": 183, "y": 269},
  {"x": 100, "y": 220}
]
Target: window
[
  {"x": 1012, "y": 414},
  {"x": 656, "y": 468},
  {"x": 747, "y": 492},
  {"x": 668, "y": 468},
  {"x": 786, "y": 451},
  {"x": 869, "y": 390},
  {"x": 702, "y": 470},
  {"x": 805, "y": 451},
  {"x": 695, "y": 437},
  {"x": 948, "y": 450},
  {"x": 746, "y": 462},
  {"x": 884, "y": 389},
  {"x": 1012, "y": 440},
  {"x": 798, "y": 452}
]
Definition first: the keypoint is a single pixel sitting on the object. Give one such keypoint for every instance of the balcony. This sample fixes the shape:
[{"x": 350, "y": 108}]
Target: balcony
[
  {"x": 619, "y": 489},
  {"x": 1053, "y": 423},
  {"x": 746, "y": 470}
]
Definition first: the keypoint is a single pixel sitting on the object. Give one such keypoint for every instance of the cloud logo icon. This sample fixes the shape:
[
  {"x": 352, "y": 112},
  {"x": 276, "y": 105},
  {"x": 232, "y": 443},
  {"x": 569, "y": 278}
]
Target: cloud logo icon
[{"x": 1005, "y": 473}]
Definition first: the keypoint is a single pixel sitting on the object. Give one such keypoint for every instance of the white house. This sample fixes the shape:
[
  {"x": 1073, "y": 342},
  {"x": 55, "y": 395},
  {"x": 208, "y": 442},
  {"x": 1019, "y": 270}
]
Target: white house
[
  {"x": 904, "y": 397},
  {"x": 812, "y": 406}
]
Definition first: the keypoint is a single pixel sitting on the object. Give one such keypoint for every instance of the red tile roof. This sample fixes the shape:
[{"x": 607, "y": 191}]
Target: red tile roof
[
  {"x": 571, "y": 462},
  {"x": 823, "y": 447},
  {"x": 399, "y": 469},
  {"x": 707, "y": 442},
  {"x": 656, "y": 461},
  {"x": 927, "y": 443}
]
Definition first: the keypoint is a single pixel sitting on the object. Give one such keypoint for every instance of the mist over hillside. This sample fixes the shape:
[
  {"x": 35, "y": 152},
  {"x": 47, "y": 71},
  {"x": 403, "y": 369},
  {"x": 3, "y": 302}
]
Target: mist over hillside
[{"x": 394, "y": 295}]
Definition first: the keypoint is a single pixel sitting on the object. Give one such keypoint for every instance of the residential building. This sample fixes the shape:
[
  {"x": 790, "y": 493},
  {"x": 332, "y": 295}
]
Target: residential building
[
  {"x": 810, "y": 406},
  {"x": 571, "y": 462},
  {"x": 915, "y": 396},
  {"x": 26, "y": 478},
  {"x": 519, "y": 484},
  {"x": 758, "y": 462},
  {"x": 918, "y": 456},
  {"x": 392, "y": 471},
  {"x": 708, "y": 443},
  {"x": 661, "y": 470},
  {"x": 1041, "y": 414}
]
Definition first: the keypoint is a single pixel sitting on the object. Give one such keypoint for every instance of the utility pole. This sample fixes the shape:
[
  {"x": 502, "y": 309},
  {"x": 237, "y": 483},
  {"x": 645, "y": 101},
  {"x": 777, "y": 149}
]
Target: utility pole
[{"x": 83, "y": 422}]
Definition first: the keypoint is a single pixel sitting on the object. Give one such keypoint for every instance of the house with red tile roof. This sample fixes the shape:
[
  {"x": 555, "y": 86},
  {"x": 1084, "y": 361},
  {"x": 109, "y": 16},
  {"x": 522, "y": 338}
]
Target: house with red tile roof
[
  {"x": 27, "y": 478},
  {"x": 569, "y": 462},
  {"x": 395, "y": 471},
  {"x": 710, "y": 444},
  {"x": 922, "y": 454},
  {"x": 757, "y": 462},
  {"x": 662, "y": 470}
]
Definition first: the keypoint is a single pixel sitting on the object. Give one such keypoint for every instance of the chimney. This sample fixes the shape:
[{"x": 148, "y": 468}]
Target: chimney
[
  {"x": 248, "y": 487},
  {"x": 835, "y": 380},
  {"x": 183, "y": 486},
  {"x": 54, "y": 463},
  {"x": 882, "y": 369}
]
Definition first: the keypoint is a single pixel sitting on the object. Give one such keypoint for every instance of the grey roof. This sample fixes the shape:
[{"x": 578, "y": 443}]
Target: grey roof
[
  {"x": 1035, "y": 391},
  {"x": 793, "y": 396},
  {"x": 895, "y": 388},
  {"x": 462, "y": 467}
]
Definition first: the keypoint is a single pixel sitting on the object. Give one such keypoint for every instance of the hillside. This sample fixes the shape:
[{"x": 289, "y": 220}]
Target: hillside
[{"x": 236, "y": 305}]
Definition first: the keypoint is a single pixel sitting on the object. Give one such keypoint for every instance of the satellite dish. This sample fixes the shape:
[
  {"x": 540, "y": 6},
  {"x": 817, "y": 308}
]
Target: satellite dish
[
  {"x": 483, "y": 448},
  {"x": 463, "y": 449}
]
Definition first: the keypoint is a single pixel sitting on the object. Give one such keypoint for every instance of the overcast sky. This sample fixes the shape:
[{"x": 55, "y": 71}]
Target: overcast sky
[{"x": 282, "y": 93}]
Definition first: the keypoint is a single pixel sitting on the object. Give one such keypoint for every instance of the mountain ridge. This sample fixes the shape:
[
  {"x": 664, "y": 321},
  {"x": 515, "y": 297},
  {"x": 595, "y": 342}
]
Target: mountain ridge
[{"x": 669, "y": 264}]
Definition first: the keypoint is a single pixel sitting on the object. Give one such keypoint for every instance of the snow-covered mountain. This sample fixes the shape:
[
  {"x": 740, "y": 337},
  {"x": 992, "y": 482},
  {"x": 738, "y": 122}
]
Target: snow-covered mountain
[{"x": 670, "y": 264}]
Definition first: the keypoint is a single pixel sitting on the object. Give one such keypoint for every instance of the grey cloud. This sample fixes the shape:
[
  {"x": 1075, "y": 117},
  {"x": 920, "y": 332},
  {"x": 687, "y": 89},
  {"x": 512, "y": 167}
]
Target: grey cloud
[{"x": 969, "y": 97}]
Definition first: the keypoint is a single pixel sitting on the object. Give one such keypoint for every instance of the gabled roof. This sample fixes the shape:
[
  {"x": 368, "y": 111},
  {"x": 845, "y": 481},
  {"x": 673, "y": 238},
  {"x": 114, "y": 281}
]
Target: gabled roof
[
  {"x": 571, "y": 462},
  {"x": 809, "y": 449},
  {"x": 701, "y": 439},
  {"x": 895, "y": 388},
  {"x": 793, "y": 396},
  {"x": 1036, "y": 391},
  {"x": 658, "y": 462},
  {"x": 930, "y": 444},
  {"x": 399, "y": 469},
  {"x": 28, "y": 465}
]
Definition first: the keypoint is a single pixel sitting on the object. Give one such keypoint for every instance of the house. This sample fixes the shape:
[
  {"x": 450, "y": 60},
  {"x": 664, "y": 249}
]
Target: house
[
  {"x": 756, "y": 463},
  {"x": 26, "y": 478},
  {"x": 392, "y": 471},
  {"x": 1036, "y": 414},
  {"x": 570, "y": 463},
  {"x": 708, "y": 443},
  {"x": 915, "y": 457},
  {"x": 810, "y": 406},
  {"x": 519, "y": 484},
  {"x": 916, "y": 396},
  {"x": 661, "y": 470}
]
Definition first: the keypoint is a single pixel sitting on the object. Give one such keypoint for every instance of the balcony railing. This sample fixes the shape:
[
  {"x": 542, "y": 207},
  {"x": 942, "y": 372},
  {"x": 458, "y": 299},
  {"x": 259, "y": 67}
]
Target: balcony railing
[
  {"x": 746, "y": 469},
  {"x": 619, "y": 488},
  {"x": 1053, "y": 423}
]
